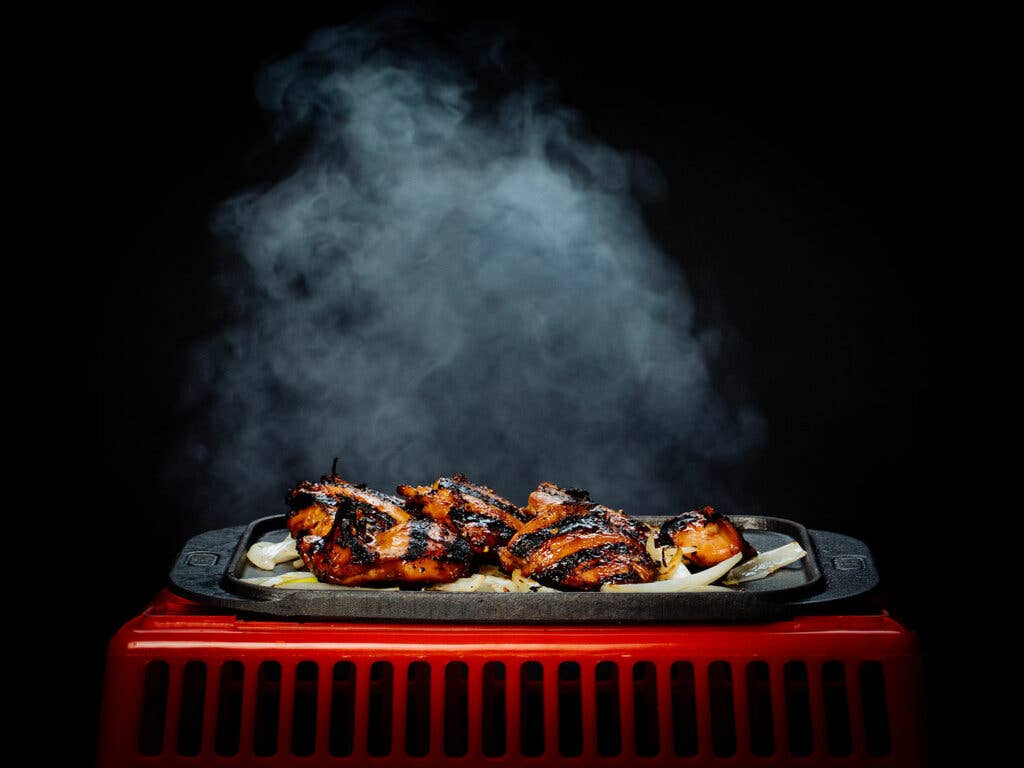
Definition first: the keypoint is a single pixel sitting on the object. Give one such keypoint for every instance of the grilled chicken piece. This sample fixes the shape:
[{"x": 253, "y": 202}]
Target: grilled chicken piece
[
  {"x": 573, "y": 543},
  {"x": 351, "y": 535},
  {"x": 714, "y": 536},
  {"x": 482, "y": 517}
]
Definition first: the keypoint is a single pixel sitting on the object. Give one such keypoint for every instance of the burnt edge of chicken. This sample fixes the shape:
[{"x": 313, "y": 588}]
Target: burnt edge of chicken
[{"x": 711, "y": 533}]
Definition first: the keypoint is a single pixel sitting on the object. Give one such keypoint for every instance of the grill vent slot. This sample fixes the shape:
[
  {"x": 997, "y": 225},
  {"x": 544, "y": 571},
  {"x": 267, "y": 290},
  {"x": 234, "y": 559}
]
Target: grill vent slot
[
  {"x": 570, "y": 709},
  {"x": 723, "y": 720},
  {"x": 531, "y": 709},
  {"x": 494, "y": 709},
  {"x": 684, "y": 709},
  {"x": 229, "y": 709},
  {"x": 876, "y": 710},
  {"x": 343, "y": 709},
  {"x": 154, "y": 708},
  {"x": 456, "y": 708},
  {"x": 378, "y": 730},
  {"x": 190, "y": 716},
  {"x": 304, "y": 711},
  {"x": 645, "y": 709},
  {"x": 268, "y": 703},
  {"x": 417, "y": 709},
  {"x": 798, "y": 708},
  {"x": 759, "y": 709},
  {"x": 837, "y": 709},
  {"x": 609, "y": 727}
]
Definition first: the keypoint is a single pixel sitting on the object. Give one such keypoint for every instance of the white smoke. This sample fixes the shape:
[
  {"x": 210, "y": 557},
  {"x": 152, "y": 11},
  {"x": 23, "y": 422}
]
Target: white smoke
[{"x": 444, "y": 284}]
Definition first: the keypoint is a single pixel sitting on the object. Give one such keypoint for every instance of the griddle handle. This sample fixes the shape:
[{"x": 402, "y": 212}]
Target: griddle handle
[
  {"x": 848, "y": 569},
  {"x": 198, "y": 571}
]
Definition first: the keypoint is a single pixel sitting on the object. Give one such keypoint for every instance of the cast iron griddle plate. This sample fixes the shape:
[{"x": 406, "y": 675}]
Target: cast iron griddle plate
[{"x": 212, "y": 565}]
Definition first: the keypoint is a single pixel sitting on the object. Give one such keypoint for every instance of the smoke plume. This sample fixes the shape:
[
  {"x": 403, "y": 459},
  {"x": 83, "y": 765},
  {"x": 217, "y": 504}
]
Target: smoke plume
[{"x": 447, "y": 279}]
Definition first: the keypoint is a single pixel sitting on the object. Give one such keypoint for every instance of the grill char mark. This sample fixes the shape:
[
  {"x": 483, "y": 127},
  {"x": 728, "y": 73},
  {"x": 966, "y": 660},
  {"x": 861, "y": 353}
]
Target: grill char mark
[
  {"x": 418, "y": 540},
  {"x": 458, "y": 550},
  {"x": 466, "y": 518},
  {"x": 591, "y": 521},
  {"x": 557, "y": 574},
  {"x": 487, "y": 521},
  {"x": 695, "y": 518},
  {"x": 575, "y": 543},
  {"x": 461, "y": 484},
  {"x": 345, "y": 534},
  {"x": 387, "y": 498},
  {"x": 371, "y": 520}
]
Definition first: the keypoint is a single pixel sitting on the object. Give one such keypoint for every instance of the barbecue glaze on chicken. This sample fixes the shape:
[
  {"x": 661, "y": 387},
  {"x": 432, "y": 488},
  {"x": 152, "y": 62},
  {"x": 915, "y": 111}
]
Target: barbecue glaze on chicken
[
  {"x": 573, "y": 543},
  {"x": 482, "y": 517},
  {"x": 351, "y": 535},
  {"x": 714, "y": 536}
]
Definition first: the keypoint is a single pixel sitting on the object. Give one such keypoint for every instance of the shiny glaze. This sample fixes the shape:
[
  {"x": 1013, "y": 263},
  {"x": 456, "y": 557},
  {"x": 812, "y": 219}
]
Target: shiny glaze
[
  {"x": 483, "y": 518},
  {"x": 574, "y": 543},
  {"x": 712, "y": 533}
]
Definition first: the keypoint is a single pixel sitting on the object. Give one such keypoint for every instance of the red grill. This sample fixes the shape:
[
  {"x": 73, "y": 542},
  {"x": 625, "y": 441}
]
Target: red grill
[{"x": 186, "y": 685}]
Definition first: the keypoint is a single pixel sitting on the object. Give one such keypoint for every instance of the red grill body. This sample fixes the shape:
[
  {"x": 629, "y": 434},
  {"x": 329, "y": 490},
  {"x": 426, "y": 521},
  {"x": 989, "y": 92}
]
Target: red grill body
[{"x": 188, "y": 686}]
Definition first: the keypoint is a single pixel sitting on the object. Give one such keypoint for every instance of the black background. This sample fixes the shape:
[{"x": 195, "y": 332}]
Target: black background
[{"x": 791, "y": 148}]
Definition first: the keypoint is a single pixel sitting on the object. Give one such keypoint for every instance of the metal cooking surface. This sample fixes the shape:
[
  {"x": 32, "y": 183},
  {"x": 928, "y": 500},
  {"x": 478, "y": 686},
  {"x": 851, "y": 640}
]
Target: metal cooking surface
[{"x": 211, "y": 566}]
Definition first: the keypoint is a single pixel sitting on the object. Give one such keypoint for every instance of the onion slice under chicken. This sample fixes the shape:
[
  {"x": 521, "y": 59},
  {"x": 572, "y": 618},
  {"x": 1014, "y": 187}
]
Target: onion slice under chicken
[
  {"x": 266, "y": 554},
  {"x": 466, "y": 584},
  {"x": 671, "y": 561},
  {"x": 681, "y": 584},
  {"x": 491, "y": 581},
  {"x": 302, "y": 580},
  {"x": 765, "y": 564}
]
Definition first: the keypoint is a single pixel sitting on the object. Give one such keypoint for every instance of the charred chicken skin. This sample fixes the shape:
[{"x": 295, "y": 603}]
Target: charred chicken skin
[
  {"x": 482, "y": 517},
  {"x": 573, "y": 543},
  {"x": 351, "y": 535},
  {"x": 711, "y": 533}
]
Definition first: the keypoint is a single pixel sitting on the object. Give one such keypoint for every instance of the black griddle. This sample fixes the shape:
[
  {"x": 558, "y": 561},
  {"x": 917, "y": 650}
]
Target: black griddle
[{"x": 838, "y": 574}]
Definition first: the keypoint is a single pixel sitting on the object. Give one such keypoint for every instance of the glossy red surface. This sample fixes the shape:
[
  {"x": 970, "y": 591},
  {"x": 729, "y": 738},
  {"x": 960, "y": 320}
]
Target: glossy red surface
[{"x": 174, "y": 631}]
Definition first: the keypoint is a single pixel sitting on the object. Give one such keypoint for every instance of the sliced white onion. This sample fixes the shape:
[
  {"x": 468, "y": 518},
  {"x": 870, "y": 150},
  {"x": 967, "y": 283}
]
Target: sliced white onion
[
  {"x": 765, "y": 564},
  {"x": 324, "y": 585},
  {"x": 493, "y": 583},
  {"x": 676, "y": 568},
  {"x": 490, "y": 582},
  {"x": 525, "y": 584},
  {"x": 266, "y": 554},
  {"x": 303, "y": 580},
  {"x": 467, "y": 584},
  {"x": 699, "y": 579},
  {"x": 667, "y": 558},
  {"x": 281, "y": 578},
  {"x": 652, "y": 548}
]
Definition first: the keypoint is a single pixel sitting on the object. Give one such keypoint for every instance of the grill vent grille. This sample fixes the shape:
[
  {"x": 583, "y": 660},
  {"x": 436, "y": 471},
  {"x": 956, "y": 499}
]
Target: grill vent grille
[{"x": 609, "y": 708}]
